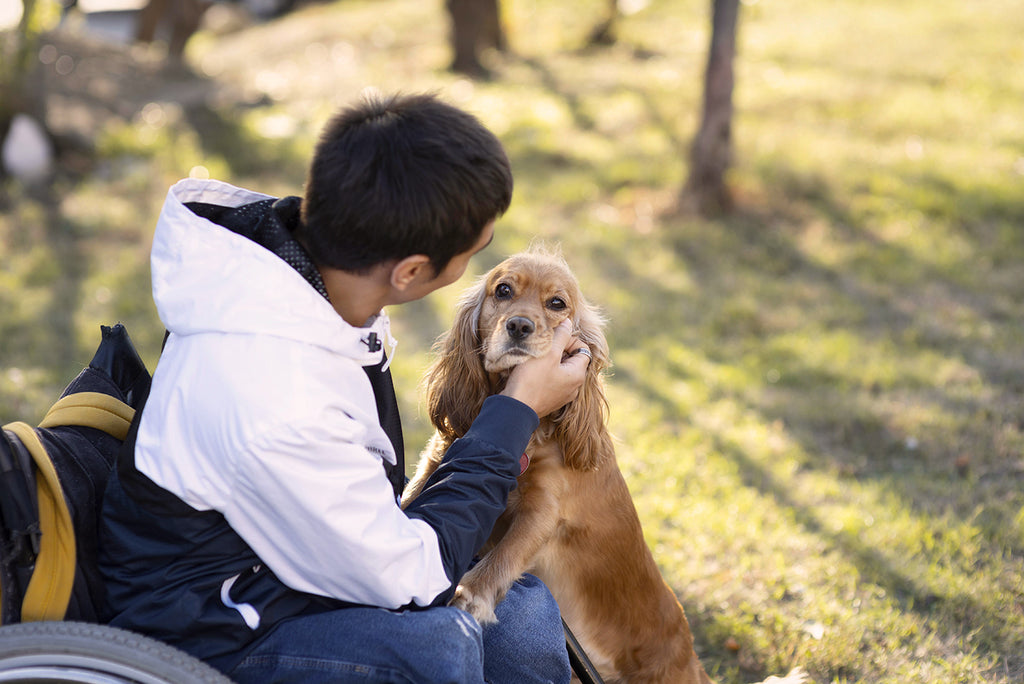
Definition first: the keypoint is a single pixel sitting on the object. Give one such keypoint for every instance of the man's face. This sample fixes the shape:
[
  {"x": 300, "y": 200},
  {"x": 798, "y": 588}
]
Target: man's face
[{"x": 457, "y": 266}]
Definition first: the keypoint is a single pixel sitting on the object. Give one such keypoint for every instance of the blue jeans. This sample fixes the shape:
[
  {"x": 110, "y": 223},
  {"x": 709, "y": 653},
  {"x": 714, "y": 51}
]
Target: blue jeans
[{"x": 446, "y": 645}]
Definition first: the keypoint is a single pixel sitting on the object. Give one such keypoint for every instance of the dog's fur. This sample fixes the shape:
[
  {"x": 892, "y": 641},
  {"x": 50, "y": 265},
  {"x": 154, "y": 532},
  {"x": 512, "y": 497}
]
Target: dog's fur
[{"x": 571, "y": 520}]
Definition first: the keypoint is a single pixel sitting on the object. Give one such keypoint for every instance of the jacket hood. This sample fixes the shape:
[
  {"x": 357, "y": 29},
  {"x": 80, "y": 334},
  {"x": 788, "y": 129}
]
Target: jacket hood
[{"x": 208, "y": 279}]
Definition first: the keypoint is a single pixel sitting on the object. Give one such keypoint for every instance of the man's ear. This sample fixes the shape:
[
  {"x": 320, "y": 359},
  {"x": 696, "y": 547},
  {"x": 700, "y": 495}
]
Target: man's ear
[{"x": 410, "y": 270}]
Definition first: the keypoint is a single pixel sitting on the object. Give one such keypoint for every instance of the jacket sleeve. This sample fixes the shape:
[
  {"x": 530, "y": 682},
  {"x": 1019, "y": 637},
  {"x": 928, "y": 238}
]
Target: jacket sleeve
[
  {"x": 469, "y": 490},
  {"x": 317, "y": 508}
]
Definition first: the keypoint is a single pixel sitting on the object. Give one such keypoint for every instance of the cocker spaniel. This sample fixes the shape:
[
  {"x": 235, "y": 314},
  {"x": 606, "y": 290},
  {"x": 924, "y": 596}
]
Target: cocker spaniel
[{"x": 571, "y": 520}]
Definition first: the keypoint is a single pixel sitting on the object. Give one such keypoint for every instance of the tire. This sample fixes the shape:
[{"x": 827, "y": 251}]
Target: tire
[{"x": 45, "y": 652}]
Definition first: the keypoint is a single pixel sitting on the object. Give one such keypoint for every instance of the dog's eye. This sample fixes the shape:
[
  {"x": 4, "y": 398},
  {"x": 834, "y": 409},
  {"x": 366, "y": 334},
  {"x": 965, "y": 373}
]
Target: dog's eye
[
  {"x": 503, "y": 291},
  {"x": 556, "y": 303}
]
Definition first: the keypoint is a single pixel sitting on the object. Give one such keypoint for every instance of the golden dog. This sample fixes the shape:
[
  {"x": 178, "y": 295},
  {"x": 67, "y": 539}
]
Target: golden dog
[{"x": 571, "y": 520}]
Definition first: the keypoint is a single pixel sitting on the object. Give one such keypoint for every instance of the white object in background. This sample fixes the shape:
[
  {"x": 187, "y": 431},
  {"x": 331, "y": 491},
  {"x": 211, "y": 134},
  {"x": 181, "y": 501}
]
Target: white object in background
[{"x": 27, "y": 152}]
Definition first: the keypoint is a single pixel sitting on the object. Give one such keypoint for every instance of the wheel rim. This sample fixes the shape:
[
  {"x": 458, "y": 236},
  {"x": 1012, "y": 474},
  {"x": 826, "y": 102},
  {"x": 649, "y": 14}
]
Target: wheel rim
[{"x": 64, "y": 667}]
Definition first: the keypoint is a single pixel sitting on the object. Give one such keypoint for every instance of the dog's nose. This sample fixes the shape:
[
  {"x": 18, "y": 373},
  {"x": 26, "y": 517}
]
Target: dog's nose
[{"x": 519, "y": 327}]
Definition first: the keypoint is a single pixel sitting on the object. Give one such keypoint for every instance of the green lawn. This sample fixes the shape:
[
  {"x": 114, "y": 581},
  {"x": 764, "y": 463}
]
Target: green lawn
[{"x": 819, "y": 399}]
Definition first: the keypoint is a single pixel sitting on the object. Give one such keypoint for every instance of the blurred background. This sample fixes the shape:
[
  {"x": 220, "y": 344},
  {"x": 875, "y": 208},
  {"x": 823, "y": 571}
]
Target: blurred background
[{"x": 804, "y": 220}]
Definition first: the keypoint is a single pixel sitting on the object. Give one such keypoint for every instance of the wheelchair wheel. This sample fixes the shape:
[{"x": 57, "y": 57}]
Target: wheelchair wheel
[{"x": 50, "y": 652}]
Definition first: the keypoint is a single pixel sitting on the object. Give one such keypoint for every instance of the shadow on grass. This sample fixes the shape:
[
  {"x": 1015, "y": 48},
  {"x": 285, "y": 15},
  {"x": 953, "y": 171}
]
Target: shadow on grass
[
  {"x": 841, "y": 421},
  {"x": 901, "y": 301},
  {"x": 881, "y": 568}
]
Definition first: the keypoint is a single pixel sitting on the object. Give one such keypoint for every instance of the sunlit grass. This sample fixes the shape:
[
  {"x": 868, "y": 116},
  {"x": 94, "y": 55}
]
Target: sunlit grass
[{"x": 817, "y": 399}]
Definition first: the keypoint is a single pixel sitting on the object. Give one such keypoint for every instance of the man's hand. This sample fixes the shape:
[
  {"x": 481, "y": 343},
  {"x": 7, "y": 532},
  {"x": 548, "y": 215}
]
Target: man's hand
[{"x": 549, "y": 382}]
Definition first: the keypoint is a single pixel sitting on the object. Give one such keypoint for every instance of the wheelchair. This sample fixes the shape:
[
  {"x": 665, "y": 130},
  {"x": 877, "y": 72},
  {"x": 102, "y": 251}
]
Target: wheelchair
[{"x": 51, "y": 652}]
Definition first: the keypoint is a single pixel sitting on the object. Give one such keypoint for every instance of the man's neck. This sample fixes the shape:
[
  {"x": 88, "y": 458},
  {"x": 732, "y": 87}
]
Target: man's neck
[{"x": 357, "y": 297}]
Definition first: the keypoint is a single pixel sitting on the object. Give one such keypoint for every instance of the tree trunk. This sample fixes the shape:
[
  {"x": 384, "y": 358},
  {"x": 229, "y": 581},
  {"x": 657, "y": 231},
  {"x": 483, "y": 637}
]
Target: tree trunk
[
  {"x": 711, "y": 154},
  {"x": 184, "y": 17},
  {"x": 476, "y": 26},
  {"x": 149, "y": 19}
]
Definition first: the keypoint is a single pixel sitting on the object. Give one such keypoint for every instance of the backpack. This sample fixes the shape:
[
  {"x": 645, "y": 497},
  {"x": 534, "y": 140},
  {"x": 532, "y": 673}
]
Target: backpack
[{"x": 52, "y": 479}]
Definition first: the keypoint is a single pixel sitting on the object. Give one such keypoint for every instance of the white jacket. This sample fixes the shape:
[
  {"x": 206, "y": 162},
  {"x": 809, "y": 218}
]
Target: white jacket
[{"x": 289, "y": 448}]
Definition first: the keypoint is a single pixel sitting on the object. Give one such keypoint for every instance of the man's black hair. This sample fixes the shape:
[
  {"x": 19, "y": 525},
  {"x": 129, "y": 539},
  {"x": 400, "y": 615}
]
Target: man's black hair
[{"x": 400, "y": 175}]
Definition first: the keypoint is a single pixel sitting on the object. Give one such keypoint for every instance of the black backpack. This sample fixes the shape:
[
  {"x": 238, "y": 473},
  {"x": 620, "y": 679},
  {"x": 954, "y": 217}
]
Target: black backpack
[{"x": 52, "y": 479}]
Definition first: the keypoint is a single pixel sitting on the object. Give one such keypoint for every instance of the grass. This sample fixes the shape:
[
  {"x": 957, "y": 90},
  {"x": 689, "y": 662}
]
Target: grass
[{"x": 817, "y": 399}]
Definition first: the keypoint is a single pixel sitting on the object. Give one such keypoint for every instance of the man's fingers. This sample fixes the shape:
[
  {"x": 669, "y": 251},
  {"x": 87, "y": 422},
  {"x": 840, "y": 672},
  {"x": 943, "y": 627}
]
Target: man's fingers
[{"x": 562, "y": 337}]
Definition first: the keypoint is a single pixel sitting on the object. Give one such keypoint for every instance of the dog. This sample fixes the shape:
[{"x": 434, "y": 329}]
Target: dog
[{"x": 571, "y": 520}]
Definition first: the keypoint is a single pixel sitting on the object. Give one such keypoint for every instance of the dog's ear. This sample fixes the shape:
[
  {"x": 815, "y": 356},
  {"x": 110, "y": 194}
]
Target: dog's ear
[
  {"x": 456, "y": 383},
  {"x": 581, "y": 429}
]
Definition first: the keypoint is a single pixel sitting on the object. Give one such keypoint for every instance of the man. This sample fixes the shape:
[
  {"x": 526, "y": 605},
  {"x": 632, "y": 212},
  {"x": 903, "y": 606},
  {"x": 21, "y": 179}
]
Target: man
[{"x": 253, "y": 519}]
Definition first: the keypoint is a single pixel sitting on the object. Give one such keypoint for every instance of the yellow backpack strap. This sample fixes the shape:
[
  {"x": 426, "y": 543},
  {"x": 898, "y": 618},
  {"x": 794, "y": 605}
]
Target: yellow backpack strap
[
  {"x": 91, "y": 409},
  {"x": 49, "y": 590}
]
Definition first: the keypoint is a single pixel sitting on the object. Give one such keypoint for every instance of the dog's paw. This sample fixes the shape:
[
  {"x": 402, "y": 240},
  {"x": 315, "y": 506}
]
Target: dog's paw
[{"x": 477, "y": 606}]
